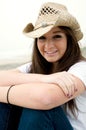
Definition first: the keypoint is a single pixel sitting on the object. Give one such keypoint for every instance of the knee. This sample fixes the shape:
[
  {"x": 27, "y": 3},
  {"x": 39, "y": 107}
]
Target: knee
[
  {"x": 31, "y": 119},
  {"x": 31, "y": 115}
]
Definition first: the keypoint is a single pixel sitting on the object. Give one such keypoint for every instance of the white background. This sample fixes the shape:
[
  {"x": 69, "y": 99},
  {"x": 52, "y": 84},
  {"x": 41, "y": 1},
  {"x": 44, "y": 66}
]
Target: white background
[{"x": 15, "y": 14}]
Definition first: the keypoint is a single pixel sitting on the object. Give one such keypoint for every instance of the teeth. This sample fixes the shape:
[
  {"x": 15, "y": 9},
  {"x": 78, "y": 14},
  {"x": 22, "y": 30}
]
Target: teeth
[{"x": 51, "y": 52}]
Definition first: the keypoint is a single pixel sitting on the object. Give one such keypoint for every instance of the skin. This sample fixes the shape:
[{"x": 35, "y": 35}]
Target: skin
[
  {"x": 33, "y": 96},
  {"x": 54, "y": 87},
  {"x": 65, "y": 80},
  {"x": 52, "y": 45}
]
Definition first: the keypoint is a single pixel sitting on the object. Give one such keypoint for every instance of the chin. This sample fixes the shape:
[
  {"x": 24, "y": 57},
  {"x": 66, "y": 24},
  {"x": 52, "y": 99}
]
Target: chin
[{"x": 52, "y": 61}]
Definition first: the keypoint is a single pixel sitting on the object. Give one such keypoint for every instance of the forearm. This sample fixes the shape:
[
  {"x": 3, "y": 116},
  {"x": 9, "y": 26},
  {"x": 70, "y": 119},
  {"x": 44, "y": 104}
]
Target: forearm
[
  {"x": 14, "y": 78},
  {"x": 37, "y": 95},
  {"x": 32, "y": 95},
  {"x": 64, "y": 80}
]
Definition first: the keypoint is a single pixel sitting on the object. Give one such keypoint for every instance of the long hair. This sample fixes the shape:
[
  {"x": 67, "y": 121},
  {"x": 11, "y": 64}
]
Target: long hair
[{"x": 71, "y": 56}]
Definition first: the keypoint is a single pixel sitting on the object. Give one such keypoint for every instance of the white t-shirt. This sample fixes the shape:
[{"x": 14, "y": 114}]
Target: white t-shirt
[{"x": 79, "y": 70}]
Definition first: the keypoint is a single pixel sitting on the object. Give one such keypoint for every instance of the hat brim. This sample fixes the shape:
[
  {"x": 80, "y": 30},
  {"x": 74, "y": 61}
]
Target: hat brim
[
  {"x": 63, "y": 20},
  {"x": 39, "y": 32}
]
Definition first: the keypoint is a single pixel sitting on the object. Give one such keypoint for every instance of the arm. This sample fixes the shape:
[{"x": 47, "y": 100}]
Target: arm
[
  {"x": 38, "y": 95},
  {"x": 65, "y": 80},
  {"x": 15, "y": 77}
]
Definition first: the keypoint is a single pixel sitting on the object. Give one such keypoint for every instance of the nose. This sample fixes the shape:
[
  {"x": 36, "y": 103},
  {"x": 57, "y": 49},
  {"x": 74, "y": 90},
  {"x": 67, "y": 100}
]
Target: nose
[{"x": 49, "y": 44}]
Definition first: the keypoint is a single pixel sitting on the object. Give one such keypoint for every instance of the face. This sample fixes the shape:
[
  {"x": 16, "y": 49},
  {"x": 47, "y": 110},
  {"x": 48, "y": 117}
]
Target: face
[{"x": 53, "y": 44}]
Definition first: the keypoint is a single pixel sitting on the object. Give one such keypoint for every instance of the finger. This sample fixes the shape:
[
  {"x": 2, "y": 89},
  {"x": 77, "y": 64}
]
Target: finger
[
  {"x": 70, "y": 85},
  {"x": 62, "y": 85},
  {"x": 73, "y": 82}
]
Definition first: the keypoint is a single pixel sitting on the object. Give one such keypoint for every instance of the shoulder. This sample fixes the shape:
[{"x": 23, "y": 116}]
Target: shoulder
[
  {"x": 25, "y": 68},
  {"x": 78, "y": 64},
  {"x": 79, "y": 70}
]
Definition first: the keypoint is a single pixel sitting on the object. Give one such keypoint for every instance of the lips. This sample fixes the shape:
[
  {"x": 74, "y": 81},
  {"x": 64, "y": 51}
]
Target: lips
[{"x": 51, "y": 52}]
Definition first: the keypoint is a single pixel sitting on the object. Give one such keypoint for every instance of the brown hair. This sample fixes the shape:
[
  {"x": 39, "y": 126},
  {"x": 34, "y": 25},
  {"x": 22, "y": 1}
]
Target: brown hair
[{"x": 71, "y": 56}]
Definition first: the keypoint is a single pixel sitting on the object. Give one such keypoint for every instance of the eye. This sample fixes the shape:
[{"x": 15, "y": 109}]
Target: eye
[
  {"x": 57, "y": 36},
  {"x": 42, "y": 38}
]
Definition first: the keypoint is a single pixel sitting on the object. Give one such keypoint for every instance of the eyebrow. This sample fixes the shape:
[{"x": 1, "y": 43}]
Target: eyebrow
[{"x": 57, "y": 32}]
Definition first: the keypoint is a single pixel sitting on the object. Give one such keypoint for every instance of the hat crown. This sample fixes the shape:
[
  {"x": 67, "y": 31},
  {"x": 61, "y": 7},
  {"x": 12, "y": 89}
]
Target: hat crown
[
  {"x": 48, "y": 14},
  {"x": 51, "y": 15},
  {"x": 51, "y": 8}
]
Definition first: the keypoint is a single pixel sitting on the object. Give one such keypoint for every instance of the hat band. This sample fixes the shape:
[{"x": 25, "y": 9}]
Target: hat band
[{"x": 43, "y": 25}]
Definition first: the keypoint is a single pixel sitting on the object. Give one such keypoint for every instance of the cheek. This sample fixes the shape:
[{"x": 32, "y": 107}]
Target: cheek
[
  {"x": 40, "y": 47},
  {"x": 63, "y": 47}
]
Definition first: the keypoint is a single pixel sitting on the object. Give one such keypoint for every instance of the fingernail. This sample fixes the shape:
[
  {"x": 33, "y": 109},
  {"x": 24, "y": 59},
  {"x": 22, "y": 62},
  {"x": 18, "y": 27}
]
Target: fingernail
[
  {"x": 76, "y": 89},
  {"x": 67, "y": 95}
]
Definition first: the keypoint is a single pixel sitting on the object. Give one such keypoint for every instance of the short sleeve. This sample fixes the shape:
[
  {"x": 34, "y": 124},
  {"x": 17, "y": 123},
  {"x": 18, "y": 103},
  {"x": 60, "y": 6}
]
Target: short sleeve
[
  {"x": 79, "y": 70},
  {"x": 25, "y": 68}
]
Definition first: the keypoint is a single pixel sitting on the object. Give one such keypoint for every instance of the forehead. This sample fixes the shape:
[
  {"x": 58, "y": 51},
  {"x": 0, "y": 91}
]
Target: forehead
[{"x": 55, "y": 30}]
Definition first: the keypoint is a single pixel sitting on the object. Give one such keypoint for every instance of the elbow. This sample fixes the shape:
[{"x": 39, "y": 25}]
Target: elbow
[
  {"x": 48, "y": 101},
  {"x": 47, "y": 104},
  {"x": 52, "y": 97}
]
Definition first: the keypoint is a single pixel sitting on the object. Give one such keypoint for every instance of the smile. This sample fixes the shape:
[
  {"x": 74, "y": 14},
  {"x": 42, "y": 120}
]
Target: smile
[{"x": 51, "y": 52}]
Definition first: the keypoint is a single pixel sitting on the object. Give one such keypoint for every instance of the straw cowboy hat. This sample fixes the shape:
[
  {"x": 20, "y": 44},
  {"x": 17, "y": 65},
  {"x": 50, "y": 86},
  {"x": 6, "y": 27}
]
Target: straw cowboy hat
[{"x": 51, "y": 15}]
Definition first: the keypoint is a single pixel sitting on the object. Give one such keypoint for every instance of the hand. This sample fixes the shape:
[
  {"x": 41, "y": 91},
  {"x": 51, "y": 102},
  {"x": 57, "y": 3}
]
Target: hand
[{"x": 65, "y": 81}]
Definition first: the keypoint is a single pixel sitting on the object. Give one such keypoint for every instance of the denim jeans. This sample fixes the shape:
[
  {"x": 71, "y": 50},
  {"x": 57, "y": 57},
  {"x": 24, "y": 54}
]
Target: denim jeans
[
  {"x": 4, "y": 115},
  {"x": 9, "y": 116},
  {"x": 54, "y": 119},
  {"x": 17, "y": 118}
]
